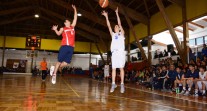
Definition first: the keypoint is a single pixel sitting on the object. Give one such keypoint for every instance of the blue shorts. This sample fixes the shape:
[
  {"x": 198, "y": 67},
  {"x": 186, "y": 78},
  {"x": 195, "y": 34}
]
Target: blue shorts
[{"x": 65, "y": 54}]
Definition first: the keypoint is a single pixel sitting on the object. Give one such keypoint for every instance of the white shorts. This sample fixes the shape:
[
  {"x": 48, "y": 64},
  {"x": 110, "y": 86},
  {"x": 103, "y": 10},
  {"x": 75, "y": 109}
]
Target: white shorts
[
  {"x": 118, "y": 59},
  {"x": 199, "y": 83},
  {"x": 106, "y": 73}
]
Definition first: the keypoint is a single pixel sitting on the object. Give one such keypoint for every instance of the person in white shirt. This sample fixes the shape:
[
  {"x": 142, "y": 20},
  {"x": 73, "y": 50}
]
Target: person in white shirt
[
  {"x": 201, "y": 83},
  {"x": 106, "y": 72},
  {"x": 117, "y": 50}
]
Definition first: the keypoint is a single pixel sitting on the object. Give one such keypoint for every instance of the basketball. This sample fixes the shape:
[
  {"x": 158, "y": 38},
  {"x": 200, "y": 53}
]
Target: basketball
[{"x": 103, "y": 3}]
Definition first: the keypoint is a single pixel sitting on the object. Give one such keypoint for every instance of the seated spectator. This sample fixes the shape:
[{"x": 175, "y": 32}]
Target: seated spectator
[
  {"x": 189, "y": 79},
  {"x": 192, "y": 61},
  {"x": 201, "y": 83},
  {"x": 203, "y": 63},
  {"x": 162, "y": 77},
  {"x": 204, "y": 50},
  {"x": 179, "y": 79},
  {"x": 173, "y": 53},
  {"x": 205, "y": 59},
  {"x": 161, "y": 54},
  {"x": 165, "y": 53},
  {"x": 156, "y": 54},
  {"x": 170, "y": 77}
]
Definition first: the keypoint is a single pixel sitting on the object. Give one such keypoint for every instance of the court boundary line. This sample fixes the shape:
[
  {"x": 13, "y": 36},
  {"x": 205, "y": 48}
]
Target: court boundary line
[{"x": 70, "y": 87}]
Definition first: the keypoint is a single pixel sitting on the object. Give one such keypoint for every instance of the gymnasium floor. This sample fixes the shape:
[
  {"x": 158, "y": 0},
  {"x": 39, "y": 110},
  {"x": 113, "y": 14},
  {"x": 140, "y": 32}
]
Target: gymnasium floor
[{"x": 72, "y": 93}]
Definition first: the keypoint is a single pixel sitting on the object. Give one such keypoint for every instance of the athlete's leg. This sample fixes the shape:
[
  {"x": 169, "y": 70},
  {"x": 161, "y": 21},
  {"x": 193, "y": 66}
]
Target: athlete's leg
[
  {"x": 113, "y": 75},
  {"x": 122, "y": 75},
  {"x": 122, "y": 90}
]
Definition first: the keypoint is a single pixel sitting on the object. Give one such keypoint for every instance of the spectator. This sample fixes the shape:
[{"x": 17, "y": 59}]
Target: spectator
[
  {"x": 170, "y": 77},
  {"x": 162, "y": 77},
  {"x": 201, "y": 83},
  {"x": 189, "y": 79},
  {"x": 173, "y": 52},
  {"x": 161, "y": 54},
  {"x": 179, "y": 79},
  {"x": 204, "y": 50},
  {"x": 165, "y": 53}
]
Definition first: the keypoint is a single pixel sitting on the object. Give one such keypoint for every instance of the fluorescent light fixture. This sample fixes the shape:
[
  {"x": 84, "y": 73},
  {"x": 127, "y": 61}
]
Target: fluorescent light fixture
[
  {"x": 79, "y": 14},
  {"x": 36, "y": 16},
  {"x": 201, "y": 18}
]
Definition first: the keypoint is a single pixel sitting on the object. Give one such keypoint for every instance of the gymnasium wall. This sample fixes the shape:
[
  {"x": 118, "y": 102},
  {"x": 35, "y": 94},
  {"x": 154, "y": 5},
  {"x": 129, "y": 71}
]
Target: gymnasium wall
[
  {"x": 49, "y": 44},
  {"x": 77, "y": 60},
  {"x": 195, "y": 9}
]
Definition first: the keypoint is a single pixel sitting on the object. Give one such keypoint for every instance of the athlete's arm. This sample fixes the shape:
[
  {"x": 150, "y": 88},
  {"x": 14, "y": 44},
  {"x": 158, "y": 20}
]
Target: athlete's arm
[
  {"x": 54, "y": 27},
  {"x": 119, "y": 21},
  {"x": 105, "y": 14},
  {"x": 75, "y": 16}
]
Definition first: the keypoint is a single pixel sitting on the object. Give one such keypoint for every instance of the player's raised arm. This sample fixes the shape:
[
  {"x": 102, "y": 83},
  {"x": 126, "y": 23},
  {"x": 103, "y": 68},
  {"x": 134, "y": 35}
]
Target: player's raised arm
[
  {"x": 119, "y": 21},
  {"x": 75, "y": 16},
  {"x": 54, "y": 27},
  {"x": 105, "y": 14}
]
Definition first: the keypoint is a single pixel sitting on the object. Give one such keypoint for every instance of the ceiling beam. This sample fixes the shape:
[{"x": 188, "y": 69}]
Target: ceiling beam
[
  {"x": 198, "y": 25},
  {"x": 84, "y": 13},
  {"x": 205, "y": 20},
  {"x": 134, "y": 34},
  {"x": 189, "y": 28},
  {"x": 13, "y": 2},
  {"x": 80, "y": 25},
  {"x": 178, "y": 30},
  {"x": 14, "y": 10},
  {"x": 87, "y": 35},
  {"x": 171, "y": 29},
  {"x": 147, "y": 9},
  {"x": 49, "y": 20},
  {"x": 178, "y": 2},
  {"x": 134, "y": 15},
  {"x": 16, "y": 20}
]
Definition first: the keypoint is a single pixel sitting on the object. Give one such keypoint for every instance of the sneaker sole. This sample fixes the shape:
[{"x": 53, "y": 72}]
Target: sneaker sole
[{"x": 113, "y": 91}]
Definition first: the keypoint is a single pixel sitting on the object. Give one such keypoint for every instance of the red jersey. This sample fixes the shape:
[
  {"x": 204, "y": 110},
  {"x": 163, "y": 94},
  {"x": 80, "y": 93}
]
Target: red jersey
[{"x": 68, "y": 36}]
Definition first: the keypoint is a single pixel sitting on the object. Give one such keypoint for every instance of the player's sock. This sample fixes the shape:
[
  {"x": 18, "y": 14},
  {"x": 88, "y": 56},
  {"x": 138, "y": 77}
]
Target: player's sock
[{"x": 189, "y": 89}]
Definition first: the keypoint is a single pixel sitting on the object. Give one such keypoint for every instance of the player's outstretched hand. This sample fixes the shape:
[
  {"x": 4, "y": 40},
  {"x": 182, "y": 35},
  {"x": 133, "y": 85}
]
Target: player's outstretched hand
[
  {"x": 54, "y": 27},
  {"x": 104, "y": 13},
  {"x": 74, "y": 7},
  {"x": 117, "y": 10}
]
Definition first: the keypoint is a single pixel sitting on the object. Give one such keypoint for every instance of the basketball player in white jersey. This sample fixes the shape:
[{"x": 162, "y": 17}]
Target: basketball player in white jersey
[
  {"x": 201, "y": 83},
  {"x": 117, "y": 50}
]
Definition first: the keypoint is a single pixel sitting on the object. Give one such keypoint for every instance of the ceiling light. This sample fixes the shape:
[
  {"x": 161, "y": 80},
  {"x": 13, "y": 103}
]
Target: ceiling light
[
  {"x": 36, "y": 16},
  {"x": 79, "y": 14}
]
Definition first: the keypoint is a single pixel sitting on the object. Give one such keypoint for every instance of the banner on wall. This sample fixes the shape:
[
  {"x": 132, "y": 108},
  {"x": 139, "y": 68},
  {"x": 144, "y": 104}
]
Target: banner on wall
[{"x": 15, "y": 65}]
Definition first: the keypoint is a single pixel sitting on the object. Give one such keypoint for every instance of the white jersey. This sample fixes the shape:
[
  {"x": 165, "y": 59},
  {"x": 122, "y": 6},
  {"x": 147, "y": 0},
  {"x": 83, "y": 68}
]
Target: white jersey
[
  {"x": 118, "y": 43},
  {"x": 202, "y": 76}
]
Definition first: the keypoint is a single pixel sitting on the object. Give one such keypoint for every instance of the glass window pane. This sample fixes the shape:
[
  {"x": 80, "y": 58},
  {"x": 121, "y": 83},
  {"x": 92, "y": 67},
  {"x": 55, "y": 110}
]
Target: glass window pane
[
  {"x": 192, "y": 42},
  {"x": 205, "y": 39},
  {"x": 199, "y": 41}
]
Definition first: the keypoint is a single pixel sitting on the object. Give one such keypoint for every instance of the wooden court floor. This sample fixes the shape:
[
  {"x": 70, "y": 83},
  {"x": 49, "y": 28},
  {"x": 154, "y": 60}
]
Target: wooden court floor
[{"x": 27, "y": 93}]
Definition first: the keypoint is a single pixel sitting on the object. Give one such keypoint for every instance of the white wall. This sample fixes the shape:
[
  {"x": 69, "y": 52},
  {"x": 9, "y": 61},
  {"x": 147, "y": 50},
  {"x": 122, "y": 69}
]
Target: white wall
[{"x": 78, "y": 60}]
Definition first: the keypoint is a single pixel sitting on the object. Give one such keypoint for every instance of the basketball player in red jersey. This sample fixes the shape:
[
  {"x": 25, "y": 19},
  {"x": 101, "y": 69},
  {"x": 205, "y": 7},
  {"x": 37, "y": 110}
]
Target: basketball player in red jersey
[{"x": 67, "y": 44}]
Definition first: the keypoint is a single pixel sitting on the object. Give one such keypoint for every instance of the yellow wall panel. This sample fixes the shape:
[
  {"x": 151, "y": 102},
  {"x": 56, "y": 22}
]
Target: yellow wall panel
[
  {"x": 196, "y": 8},
  {"x": 141, "y": 31},
  {"x": 82, "y": 47},
  {"x": 15, "y": 42},
  {"x": 48, "y": 44},
  {"x": 1, "y": 41},
  {"x": 157, "y": 23}
]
